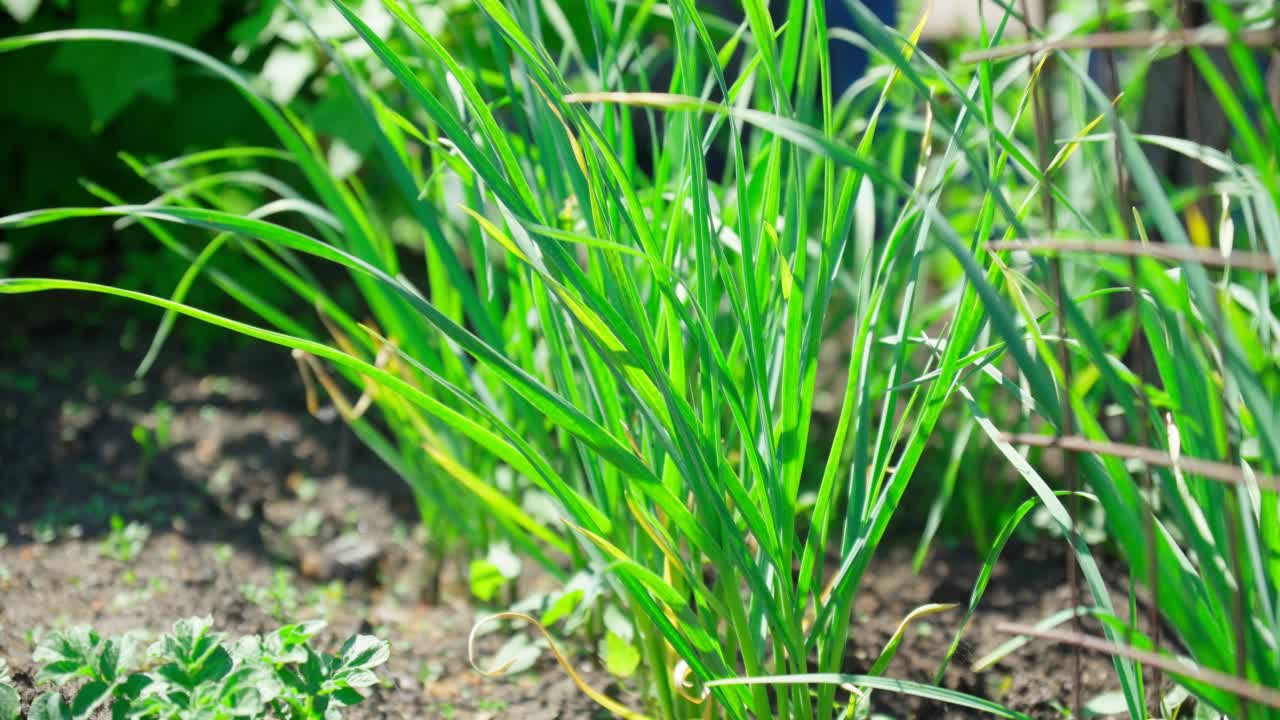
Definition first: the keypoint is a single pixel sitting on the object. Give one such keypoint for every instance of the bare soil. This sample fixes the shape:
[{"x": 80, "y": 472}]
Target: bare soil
[{"x": 248, "y": 485}]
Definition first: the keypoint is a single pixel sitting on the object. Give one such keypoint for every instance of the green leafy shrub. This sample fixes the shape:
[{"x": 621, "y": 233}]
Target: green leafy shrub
[{"x": 194, "y": 672}]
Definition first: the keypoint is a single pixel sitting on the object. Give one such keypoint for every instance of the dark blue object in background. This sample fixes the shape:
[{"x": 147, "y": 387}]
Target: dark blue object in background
[{"x": 849, "y": 62}]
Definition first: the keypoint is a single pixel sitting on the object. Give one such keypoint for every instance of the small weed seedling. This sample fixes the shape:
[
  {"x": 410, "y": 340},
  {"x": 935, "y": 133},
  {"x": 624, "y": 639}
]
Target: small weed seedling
[
  {"x": 126, "y": 541},
  {"x": 193, "y": 673},
  {"x": 222, "y": 554},
  {"x": 152, "y": 440},
  {"x": 280, "y": 600},
  {"x": 146, "y": 444}
]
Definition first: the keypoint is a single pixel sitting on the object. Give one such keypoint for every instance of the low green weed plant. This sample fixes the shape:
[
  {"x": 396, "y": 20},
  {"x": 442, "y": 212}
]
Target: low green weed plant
[
  {"x": 124, "y": 541},
  {"x": 194, "y": 672},
  {"x": 280, "y": 599}
]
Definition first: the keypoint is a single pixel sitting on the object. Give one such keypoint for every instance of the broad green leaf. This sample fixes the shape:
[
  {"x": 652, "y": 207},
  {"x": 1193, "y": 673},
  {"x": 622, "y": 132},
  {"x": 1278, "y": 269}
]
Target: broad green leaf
[
  {"x": 88, "y": 698},
  {"x": 486, "y": 579},
  {"x": 360, "y": 679},
  {"x": 348, "y": 696},
  {"x": 364, "y": 652},
  {"x": 620, "y": 657},
  {"x": 10, "y": 703},
  {"x": 66, "y": 654},
  {"x": 563, "y": 606},
  {"x": 49, "y": 706},
  {"x": 112, "y": 77}
]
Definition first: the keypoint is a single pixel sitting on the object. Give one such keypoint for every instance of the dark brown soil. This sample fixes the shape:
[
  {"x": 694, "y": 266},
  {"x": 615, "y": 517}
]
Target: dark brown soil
[
  {"x": 249, "y": 485},
  {"x": 1028, "y": 585}
]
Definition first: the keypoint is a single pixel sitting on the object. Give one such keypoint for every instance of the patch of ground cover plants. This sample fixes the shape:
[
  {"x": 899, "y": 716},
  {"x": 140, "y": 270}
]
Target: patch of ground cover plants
[
  {"x": 621, "y": 365},
  {"x": 195, "y": 672}
]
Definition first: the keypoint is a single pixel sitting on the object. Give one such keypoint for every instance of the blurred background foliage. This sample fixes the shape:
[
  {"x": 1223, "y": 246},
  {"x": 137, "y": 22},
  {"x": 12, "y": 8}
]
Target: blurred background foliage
[{"x": 84, "y": 104}]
